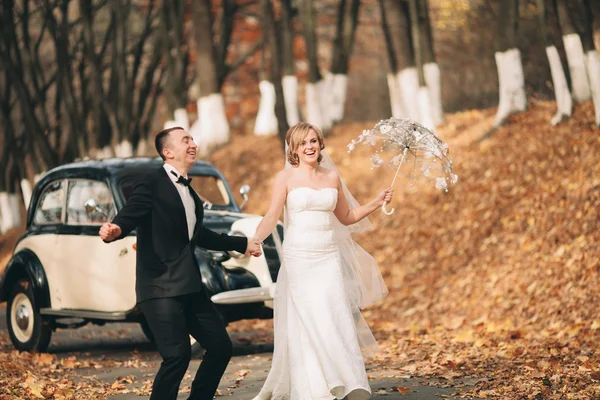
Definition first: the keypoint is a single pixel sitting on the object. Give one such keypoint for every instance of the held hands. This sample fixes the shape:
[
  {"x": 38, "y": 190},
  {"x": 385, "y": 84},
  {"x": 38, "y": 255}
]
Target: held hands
[
  {"x": 109, "y": 232},
  {"x": 254, "y": 248},
  {"x": 385, "y": 197}
]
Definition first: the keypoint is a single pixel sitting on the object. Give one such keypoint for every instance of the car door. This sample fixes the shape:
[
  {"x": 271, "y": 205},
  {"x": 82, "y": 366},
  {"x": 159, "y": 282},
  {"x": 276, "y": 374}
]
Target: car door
[
  {"x": 42, "y": 236},
  {"x": 94, "y": 275}
]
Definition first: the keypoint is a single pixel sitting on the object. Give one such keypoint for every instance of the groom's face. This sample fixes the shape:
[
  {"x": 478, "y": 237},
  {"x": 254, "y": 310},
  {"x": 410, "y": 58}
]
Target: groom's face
[{"x": 180, "y": 148}]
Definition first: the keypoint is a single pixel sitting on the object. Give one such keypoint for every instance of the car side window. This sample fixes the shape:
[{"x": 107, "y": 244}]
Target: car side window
[
  {"x": 210, "y": 188},
  {"x": 50, "y": 206},
  {"x": 89, "y": 202}
]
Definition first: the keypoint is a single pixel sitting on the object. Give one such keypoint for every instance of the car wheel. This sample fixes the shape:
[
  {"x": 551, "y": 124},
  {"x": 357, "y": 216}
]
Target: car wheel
[{"x": 26, "y": 327}]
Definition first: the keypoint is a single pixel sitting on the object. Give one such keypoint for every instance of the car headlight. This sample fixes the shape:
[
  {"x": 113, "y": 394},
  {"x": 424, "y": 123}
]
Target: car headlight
[{"x": 233, "y": 253}]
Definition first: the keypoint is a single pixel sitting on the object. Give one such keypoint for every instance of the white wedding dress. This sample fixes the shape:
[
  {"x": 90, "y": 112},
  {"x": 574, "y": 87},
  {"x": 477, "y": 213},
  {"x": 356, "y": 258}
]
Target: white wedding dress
[{"x": 319, "y": 330}]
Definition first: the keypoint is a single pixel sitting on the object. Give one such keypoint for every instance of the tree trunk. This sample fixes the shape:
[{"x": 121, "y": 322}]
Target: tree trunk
[
  {"x": 171, "y": 28},
  {"x": 575, "y": 54},
  {"x": 431, "y": 69},
  {"x": 12, "y": 63},
  {"x": 211, "y": 129},
  {"x": 314, "y": 114},
  {"x": 425, "y": 110},
  {"x": 564, "y": 103},
  {"x": 508, "y": 61},
  {"x": 394, "y": 90},
  {"x": 397, "y": 21},
  {"x": 347, "y": 23},
  {"x": 289, "y": 80},
  {"x": 273, "y": 116},
  {"x": 592, "y": 57},
  {"x": 266, "y": 120},
  {"x": 6, "y": 145},
  {"x": 9, "y": 205},
  {"x": 96, "y": 89}
]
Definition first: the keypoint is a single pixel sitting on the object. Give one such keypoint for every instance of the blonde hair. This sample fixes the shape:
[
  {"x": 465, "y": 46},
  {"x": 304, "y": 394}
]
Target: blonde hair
[{"x": 295, "y": 135}]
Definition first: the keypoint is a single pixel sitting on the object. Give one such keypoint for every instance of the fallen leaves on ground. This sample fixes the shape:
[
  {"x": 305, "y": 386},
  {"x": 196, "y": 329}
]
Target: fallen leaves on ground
[
  {"x": 498, "y": 279},
  {"x": 401, "y": 389},
  {"x": 44, "y": 376}
]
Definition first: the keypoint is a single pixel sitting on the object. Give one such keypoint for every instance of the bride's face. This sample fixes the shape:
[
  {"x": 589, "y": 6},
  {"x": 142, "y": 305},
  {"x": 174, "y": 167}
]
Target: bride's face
[{"x": 309, "y": 149}]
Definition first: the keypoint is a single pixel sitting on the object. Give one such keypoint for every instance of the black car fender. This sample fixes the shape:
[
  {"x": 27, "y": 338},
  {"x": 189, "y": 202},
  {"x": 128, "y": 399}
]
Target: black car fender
[
  {"x": 216, "y": 278},
  {"x": 211, "y": 281},
  {"x": 25, "y": 264}
]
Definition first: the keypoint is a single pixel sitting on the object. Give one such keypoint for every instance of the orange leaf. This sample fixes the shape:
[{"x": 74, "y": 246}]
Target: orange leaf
[{"x": 402, "y": 389}]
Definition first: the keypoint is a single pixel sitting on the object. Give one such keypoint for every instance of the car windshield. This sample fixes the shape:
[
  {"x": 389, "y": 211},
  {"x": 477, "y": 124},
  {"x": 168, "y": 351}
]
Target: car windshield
[{"x": 211, "y": 190}]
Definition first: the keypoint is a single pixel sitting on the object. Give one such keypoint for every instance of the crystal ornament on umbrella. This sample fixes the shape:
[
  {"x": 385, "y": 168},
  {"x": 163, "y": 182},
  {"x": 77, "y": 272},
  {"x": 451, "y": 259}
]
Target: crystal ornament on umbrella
[{"x": 399, "y": 141}]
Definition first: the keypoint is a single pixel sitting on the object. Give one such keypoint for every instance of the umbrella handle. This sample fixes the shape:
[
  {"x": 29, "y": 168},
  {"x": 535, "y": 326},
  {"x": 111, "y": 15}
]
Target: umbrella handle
[
  {"x": 386, "y": 212},
  {"x": 383, "y": 210}
]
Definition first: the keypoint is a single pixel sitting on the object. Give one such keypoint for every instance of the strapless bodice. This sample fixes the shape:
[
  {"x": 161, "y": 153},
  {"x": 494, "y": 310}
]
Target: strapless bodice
[
  {"x": 310, "y": 208},
  {"x": 310, "y": 217}
]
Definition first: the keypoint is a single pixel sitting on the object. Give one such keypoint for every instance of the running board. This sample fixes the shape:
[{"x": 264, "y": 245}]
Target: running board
[
  {"x": 243, "y": 296},
  {"x": 86, "y": 314}
]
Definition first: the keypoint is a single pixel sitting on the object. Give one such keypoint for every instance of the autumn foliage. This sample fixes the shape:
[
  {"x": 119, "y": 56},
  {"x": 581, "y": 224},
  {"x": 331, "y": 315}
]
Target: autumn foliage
[
  {"x": 495, "y": 283},
  {"x": 496, "y": 280}
]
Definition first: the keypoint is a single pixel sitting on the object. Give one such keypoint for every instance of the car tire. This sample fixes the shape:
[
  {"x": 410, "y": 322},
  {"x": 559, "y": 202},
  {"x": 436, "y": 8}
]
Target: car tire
[{"x": 27, "y": 329}]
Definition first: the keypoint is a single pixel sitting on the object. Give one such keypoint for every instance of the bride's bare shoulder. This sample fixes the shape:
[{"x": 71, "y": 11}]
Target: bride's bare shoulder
[
  {"x": 284, "y": 175},
  {"x": 330, "y": 173}
]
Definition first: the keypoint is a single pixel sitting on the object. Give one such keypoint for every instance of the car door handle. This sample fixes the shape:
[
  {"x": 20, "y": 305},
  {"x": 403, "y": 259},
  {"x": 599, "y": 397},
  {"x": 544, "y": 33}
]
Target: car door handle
[{"x": 123, "y": 251}]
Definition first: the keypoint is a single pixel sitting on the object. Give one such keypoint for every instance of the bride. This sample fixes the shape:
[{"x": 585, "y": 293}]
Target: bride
[{"x": 324, "y": 281}]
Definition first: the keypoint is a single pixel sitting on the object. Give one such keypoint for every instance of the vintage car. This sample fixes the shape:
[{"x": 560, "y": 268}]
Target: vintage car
[{"x": 61, "y": 275}]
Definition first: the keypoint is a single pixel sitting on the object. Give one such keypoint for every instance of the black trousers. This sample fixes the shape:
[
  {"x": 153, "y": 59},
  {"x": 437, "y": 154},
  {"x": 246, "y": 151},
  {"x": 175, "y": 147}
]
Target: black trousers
[{"x": 172, "y": 320}]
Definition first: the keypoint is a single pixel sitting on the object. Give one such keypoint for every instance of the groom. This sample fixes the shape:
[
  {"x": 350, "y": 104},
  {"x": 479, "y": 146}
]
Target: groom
[{"x": 168, "y": 215}]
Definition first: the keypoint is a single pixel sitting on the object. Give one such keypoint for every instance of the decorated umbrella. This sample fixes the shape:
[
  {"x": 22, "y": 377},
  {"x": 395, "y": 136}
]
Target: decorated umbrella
[{"x": 399, "y": 141}]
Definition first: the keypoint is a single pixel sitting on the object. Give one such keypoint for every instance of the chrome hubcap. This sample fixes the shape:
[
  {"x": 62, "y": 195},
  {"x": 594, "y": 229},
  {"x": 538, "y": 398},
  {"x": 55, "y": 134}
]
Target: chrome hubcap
[{"x": 22, "y": 317}]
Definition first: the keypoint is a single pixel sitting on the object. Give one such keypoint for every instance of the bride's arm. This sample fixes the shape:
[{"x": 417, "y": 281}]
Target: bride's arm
[
  {"x": 269, "y": 221},
  {"x": 349, "y": 216}
]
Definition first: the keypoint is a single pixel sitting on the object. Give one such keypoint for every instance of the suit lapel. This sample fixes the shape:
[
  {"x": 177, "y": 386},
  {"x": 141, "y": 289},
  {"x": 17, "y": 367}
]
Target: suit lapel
[{"x": 176, "y": 209}]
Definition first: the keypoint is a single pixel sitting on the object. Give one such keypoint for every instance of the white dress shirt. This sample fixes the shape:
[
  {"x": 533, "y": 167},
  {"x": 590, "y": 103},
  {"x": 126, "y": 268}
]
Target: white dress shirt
[{"x": 186, "y": 198}]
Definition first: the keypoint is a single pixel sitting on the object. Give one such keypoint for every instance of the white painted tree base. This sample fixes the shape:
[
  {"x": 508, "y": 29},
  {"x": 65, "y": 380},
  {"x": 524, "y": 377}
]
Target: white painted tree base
[
  {"x": 290, "y": 97},
  {"x": 426, "y": 116},
  {"x": 26, "y": 189},
  {"x": 6, "y": 213},
  {"x": 124, "y": 149},
  {"x": 576, "y": 59},
  {"x": 408, "y": 82},
  {"x": 395, "y": 97},
  {"x": 143, "y": 148},
  {"x": 105, "y": 152},
  {"x": 431, "y": 71},
  {"x": 593, "y": 68},
  {"x": 313, "y": 106},
  {"x": 266, "y": 120},
  {"x": 564, "y": 102},
  {"x": 325, "y": 100},
  {"x": 339, "y": 88},
  {"x": 181, "y": 119},
  {"x": 15, "y": 206},
  {"x": 211, "y": 129},
  {"x": 512, "y": 85}
]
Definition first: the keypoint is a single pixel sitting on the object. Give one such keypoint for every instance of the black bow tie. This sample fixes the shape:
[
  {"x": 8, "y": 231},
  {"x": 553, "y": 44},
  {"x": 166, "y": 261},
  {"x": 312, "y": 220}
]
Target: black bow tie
[{"x": 181, "y": 179}]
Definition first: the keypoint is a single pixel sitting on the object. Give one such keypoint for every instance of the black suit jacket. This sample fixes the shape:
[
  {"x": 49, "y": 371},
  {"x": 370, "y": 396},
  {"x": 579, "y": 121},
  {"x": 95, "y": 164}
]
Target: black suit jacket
[{"x": 166, "y": 265}]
